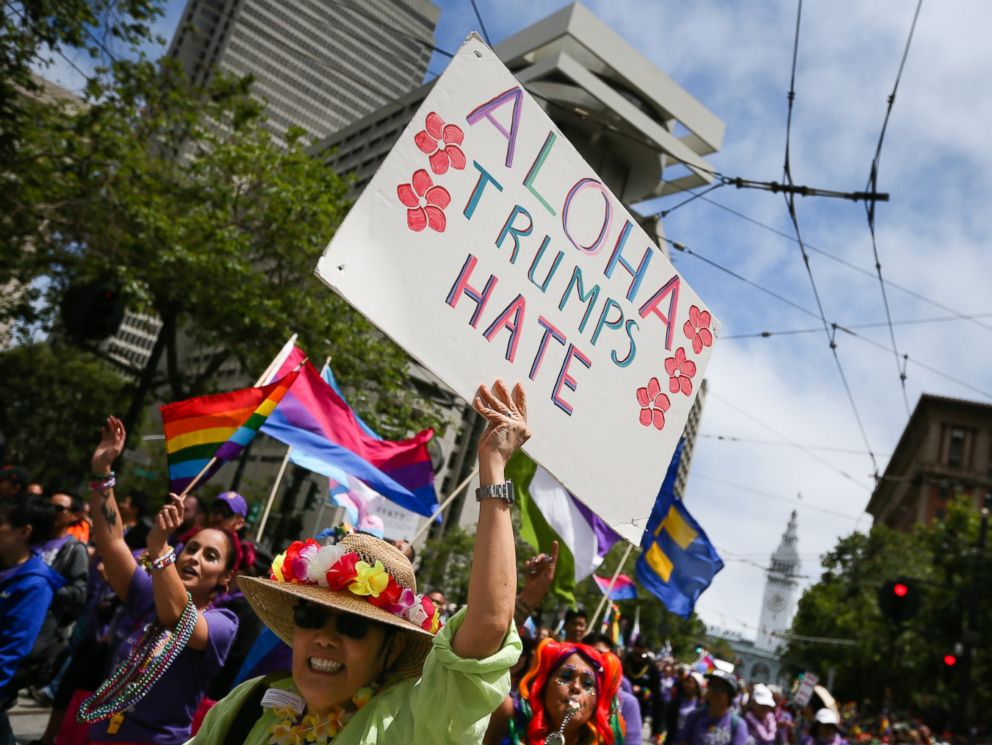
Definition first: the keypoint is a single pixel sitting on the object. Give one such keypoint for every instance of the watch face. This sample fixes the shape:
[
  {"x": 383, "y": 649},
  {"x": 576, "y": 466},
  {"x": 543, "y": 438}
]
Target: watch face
[{"x": 776, "y": 603}]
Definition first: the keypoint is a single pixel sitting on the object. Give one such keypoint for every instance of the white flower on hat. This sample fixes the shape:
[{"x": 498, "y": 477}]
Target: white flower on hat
[
  {"x": 416, "y": 614},
  {"x": 324, "y": 558}
]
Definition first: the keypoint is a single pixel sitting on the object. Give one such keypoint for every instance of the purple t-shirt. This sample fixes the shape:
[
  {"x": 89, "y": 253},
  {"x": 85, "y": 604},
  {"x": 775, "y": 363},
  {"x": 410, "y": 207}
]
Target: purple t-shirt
[
  {"x": 164, "y": 715},
  {"x": 701, "y": 729}
]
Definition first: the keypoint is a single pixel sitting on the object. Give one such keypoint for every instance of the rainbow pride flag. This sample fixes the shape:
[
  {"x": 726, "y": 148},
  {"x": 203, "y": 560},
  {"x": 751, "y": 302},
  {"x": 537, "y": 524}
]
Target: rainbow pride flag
[{"x": 216, "y": 426}]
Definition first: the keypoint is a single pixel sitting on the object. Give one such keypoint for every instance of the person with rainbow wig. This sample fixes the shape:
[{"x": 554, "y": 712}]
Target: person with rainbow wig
[{"x": 567, "y": 697}]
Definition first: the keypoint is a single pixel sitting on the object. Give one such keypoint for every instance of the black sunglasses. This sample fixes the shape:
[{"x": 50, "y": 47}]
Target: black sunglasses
[{"x": 312, "y": 616}]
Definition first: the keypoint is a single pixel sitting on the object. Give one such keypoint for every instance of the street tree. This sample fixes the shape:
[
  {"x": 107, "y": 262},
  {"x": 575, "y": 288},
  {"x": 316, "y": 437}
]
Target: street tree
[
  {"x": 894, "y": 660},
  {"x": 179, "y": 196}
]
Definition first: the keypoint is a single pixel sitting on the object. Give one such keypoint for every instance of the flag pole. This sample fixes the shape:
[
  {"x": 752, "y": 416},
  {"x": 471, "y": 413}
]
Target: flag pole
[
  {"x": 272, "y": 495},
  {"x": 441, "y": 507},
  {"x": 285, "y": 459},
  {"x": 613, "y": 581}
]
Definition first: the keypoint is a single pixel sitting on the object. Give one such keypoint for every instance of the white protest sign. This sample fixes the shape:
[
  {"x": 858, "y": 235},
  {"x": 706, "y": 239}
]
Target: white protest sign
[
  {"x": 398, "y": 524},
  {"x": 805, "y": 690},
  {"x": 487, "y": 247}
]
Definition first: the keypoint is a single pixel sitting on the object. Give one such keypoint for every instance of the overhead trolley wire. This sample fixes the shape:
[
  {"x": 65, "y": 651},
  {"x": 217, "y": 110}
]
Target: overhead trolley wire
[
  {"x": 877, "y": 324},
  {"x": 870, "y": 206},
  {"x": 753, "y": 441},
  {"x": 850, "y": 265},
  {"x": 834, "y": 326},
  {"x": 790, "y": 202},
  {"x": 482, "y": 25},
  {"x": 787, "y": 439}
]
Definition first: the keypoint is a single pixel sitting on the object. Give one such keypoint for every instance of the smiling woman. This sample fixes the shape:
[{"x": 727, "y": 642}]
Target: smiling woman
[
  {"x": 371, "y": 661},
  {"x": 179, "y": 640}
]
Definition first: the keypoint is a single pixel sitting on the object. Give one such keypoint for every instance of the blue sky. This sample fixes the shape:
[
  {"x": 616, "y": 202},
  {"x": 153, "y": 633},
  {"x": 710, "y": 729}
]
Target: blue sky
[{"x": 773, "y": 393}]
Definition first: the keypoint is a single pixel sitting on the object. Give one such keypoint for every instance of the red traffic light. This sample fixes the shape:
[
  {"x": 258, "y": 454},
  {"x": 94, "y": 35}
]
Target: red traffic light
[
  {"x": 950, "y": 660},
  {"x": 900, "y": 590}
]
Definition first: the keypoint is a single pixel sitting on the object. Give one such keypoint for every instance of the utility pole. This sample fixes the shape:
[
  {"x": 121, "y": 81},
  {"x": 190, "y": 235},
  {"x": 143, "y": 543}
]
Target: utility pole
[{"x": 971, "y": 636}]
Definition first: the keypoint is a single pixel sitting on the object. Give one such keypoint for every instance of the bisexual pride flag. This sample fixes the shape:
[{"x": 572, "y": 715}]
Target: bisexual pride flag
[
  {"x": 327, "y": 438},
  {"x": 623, "y": 588}
]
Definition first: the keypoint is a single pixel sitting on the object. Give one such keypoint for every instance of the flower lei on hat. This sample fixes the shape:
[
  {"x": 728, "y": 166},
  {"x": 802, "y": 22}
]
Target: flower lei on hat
[{"x": 336, "y": 568}]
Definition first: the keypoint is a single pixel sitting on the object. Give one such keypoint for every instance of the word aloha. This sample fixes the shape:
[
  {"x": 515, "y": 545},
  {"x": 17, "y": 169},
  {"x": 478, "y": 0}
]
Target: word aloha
[{"x": 331, "y": 566}]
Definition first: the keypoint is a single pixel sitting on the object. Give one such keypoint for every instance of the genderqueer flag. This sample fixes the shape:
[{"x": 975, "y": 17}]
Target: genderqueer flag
[
  {"x": 548, "y": 513},
  {"x": 677, "y": 560}
]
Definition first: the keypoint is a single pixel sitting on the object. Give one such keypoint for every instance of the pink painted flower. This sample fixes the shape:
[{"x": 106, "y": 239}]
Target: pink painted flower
[
  {"x": 440, "y": 141},
  {"x": 680, "y": 371},
  {"x": 653, "y": 403},
  {"x": 425, "y": 202},
  {"x": 697, "y": 329}
]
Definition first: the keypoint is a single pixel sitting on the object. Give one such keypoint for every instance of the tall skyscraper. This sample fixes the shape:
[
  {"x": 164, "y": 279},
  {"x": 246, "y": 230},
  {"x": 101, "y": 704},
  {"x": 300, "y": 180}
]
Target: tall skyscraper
[{"x": 318, "y": 64}]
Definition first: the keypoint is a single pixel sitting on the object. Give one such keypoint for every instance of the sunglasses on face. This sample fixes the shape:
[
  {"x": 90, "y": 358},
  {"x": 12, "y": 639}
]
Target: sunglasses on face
[
  {"x": 312, "y": 616},
  {"x": 566, "y": 675},
  {"x": 61, "y": 508}
]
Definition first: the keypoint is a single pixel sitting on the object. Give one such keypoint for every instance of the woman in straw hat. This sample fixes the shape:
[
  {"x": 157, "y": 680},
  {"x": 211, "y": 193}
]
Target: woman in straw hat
[{"x": 370, "y": 663}]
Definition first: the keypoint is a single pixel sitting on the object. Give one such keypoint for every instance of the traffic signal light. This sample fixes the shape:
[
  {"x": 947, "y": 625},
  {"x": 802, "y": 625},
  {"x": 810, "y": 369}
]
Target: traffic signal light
[
  {"x": 950, "y": 660},
  {"x": 899, "y": 599},
  {"x": 92, "y": 311}
]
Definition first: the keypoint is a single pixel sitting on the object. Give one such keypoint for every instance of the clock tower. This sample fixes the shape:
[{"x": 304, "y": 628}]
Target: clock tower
[{"x": 781, "y": 590}]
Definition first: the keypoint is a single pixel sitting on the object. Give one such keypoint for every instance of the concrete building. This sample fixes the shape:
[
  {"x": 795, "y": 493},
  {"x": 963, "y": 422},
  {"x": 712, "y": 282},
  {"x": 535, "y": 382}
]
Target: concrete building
[
  {"x": 318, "y": 64},
  {"x": 645, "y": 136},
  {"x": 945, "y": 450}
]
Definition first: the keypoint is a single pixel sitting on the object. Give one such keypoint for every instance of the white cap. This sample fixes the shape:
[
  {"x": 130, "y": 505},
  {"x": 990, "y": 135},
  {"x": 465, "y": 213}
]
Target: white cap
[
  {"x": 762, "y": 696},
  {"x": 827, "y": 716}
]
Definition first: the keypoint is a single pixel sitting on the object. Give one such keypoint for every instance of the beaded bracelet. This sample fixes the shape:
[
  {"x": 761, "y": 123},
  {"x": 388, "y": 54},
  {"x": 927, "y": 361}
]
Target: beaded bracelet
[
  {"x": 137, "y": 674},
  {"x": 103, "y": 483},
  {"x": 163, "y": 561}
]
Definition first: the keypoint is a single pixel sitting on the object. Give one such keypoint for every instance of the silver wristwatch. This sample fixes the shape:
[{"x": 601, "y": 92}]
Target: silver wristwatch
[{"x": 502, "y": 491}]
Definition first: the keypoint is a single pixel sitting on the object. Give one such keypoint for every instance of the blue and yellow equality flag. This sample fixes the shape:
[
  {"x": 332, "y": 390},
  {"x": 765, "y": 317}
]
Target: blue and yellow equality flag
[{"x": 677, "y": 560}]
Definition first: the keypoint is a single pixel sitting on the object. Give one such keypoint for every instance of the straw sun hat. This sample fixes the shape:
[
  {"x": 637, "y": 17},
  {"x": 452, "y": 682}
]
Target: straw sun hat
[{"x": 273, "y": 599}]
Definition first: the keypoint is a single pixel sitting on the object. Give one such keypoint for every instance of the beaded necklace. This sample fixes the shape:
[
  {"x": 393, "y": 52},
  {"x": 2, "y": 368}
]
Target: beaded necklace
[
  {"x": 293, "y": 728},
  {"x": 148, "y": 660}
]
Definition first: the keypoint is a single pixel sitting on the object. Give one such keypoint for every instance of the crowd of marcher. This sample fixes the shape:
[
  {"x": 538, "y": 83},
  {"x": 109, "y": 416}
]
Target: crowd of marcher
[{"x": 141, "y": 627}]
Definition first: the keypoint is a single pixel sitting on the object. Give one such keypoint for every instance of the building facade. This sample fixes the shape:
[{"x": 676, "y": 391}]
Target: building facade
[
  {"x": 945, "y": 450},
  {"x": 317, "y": 64},
  {"x": 644, "y": 135}
]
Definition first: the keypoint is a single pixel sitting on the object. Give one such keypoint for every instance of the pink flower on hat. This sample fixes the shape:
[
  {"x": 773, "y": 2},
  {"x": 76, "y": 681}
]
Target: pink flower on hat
[
  {"x": 697, "y": 329},
  {"x": 681, "y": 371},
  {"x": 425, "y": 202},
  {"x": 440, "y": 141},
  {"x": 653, "y": 403}
]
